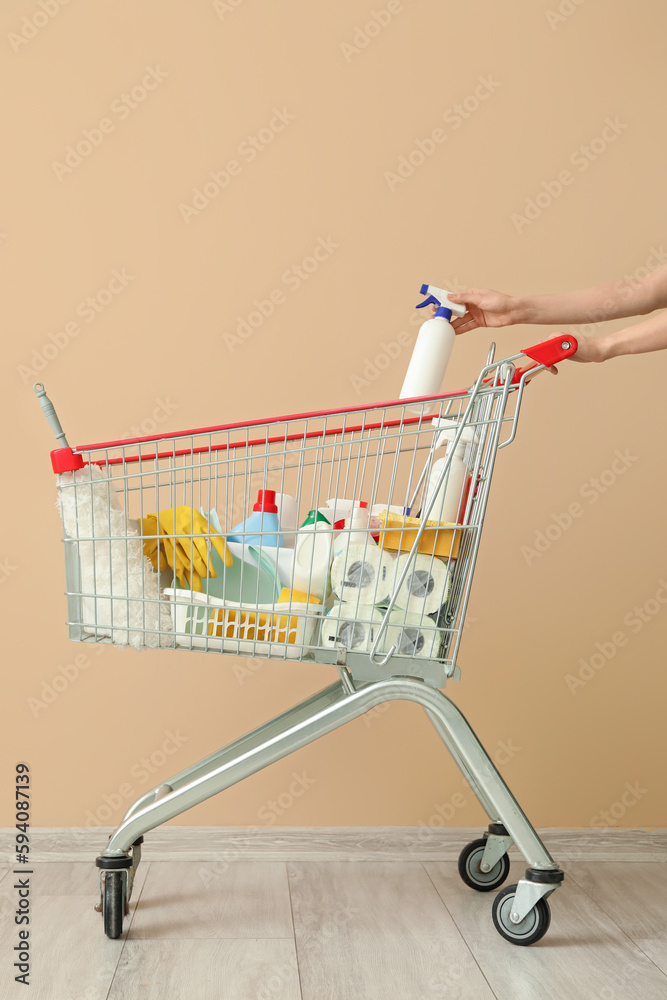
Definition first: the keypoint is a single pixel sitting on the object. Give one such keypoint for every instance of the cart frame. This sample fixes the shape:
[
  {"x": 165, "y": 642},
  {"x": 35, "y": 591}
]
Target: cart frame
[{"x": 366, "y": 680}]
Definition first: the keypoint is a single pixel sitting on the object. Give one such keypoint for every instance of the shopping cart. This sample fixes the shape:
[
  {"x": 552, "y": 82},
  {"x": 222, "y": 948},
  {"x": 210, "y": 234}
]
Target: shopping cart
[{"x": 385, "y": 647}]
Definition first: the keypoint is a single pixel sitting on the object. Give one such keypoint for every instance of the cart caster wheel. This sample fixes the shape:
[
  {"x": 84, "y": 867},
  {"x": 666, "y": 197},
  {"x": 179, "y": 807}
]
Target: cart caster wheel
[
  {"x": 113, "y": 904},
  {"x": 532, "y": 928},
  {"x": 470, "y": 860}
]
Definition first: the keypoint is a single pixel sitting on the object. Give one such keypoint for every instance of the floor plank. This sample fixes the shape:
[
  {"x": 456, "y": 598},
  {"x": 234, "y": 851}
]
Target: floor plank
[
  {"x": 71, "y": 957},
  {"x": 635, "y": 897},
  {"x": 207, "y": 970},
  {"x": 70, "y": 878},
  {"x": 584, "y": 954},
  {"x": 246, "y": 899},
  {"x": 377, "y": 930},
  {"x": 391, "y": 843}
]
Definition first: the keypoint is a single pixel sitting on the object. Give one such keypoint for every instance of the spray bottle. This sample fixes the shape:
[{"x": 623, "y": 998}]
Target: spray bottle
[
  {"x": 432, "y": 349},
  {"x": 452, "y": 496}
]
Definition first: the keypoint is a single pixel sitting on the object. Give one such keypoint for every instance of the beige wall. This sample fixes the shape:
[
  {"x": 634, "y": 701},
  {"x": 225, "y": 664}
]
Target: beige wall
[{"x": 220, "y": 71}]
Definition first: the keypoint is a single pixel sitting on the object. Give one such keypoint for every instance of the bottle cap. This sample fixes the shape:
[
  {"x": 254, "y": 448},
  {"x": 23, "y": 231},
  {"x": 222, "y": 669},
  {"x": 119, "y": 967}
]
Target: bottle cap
[
  {"x": 443, "y": 311},
  {"x": 313, "y": 517},
  {"x": 266, "y": 501}
]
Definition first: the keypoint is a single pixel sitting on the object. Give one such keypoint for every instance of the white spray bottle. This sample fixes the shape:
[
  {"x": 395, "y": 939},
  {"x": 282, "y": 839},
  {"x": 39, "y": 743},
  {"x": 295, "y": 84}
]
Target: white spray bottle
[
  {"x": 432, "y": 349},
  {"x": 451, "y": 499}
]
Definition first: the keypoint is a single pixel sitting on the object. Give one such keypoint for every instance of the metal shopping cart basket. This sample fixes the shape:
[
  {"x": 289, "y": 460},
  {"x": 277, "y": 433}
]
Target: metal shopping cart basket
[{"x": 159, "y": 552}]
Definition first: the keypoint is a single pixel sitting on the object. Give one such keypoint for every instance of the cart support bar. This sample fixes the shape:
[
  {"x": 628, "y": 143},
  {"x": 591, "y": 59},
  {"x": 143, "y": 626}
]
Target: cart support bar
[{"x": 330, "y": 709}]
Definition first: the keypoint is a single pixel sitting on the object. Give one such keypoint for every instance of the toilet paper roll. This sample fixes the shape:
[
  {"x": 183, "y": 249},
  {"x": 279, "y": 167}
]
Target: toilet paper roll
[
  {"x": 412, "y": 635},
  {"x": 426, "y": 586},
  {"x": 354, "y": 627},
  {"x": 363, "y": 574}
]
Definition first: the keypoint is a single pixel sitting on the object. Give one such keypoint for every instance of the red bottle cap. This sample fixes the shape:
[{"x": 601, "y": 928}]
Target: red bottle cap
[
  {"x": 266, "y": 501},
  {"x": 363, "y": 503}
]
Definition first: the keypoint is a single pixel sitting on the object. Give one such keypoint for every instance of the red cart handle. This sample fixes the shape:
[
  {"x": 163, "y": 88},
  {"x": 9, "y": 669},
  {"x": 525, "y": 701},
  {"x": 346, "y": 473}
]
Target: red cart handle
[{"x": 550, "y": 352}]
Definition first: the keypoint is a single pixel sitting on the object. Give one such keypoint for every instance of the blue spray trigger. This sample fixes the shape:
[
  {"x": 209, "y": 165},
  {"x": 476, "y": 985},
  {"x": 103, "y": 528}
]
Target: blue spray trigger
[{"x": 431, "y": 300}]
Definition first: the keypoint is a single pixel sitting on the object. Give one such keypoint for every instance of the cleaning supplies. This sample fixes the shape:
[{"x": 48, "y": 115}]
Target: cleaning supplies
[
  {"x": 432, "y": 349},
  {"x": 312, "y": 555},
  {"x": 356, "y": 531},
  {"x": 263, "y": 526},
  {"x": 287, "y": 518},
  {"x": 204, "y": 622},
  {"x": 398, "y": 534},
  {"x": 288, "y": 596},
  {"x": 178, "y": 537},
  {"x": 338, "y": 508},
  {"x": 451, "y": 495}
]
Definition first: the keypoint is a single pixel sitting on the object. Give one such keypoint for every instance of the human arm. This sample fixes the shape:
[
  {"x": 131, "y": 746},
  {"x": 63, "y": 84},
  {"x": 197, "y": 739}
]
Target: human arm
[
  {"x": 617, "y": 300},
  {"x": 642, "y": 338}
]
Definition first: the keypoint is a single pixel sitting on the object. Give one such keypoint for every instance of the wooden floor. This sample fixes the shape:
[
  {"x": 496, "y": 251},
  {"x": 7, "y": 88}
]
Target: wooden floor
[{"x": 332, "y": 928}]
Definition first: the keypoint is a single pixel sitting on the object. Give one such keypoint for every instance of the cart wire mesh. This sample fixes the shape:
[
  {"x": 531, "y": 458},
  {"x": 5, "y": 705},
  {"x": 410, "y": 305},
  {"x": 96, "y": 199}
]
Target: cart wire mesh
[{"x": 395, "y": 607}]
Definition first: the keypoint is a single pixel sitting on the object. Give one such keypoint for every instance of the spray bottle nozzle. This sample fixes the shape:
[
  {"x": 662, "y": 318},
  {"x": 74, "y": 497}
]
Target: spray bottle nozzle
[
  {"x": 439, "y": 297},
  {"x": 431, "y": 300}
]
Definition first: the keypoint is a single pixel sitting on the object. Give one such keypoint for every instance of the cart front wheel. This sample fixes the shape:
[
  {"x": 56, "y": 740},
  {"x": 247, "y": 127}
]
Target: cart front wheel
[
  {"x": 533, "y": 926},
  {"x": 113, "y": 904},
  {"x": 470, "y": 870}
]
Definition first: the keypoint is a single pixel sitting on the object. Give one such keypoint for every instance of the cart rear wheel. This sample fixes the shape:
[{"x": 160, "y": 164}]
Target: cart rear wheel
[
  {"x": 529, "y": 930},
  {"x": 113, "y": 904},
  {"x": 470, "y": 870}
]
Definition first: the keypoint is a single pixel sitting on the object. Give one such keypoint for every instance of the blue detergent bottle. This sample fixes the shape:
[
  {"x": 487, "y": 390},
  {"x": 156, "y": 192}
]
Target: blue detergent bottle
[{"x": 262, "y": 527}]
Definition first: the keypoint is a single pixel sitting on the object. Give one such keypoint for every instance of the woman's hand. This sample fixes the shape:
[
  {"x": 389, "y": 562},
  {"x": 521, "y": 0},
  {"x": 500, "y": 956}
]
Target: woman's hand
[
  {"x": 589, "y": 349},
  {"x": 485, "y": 308}
]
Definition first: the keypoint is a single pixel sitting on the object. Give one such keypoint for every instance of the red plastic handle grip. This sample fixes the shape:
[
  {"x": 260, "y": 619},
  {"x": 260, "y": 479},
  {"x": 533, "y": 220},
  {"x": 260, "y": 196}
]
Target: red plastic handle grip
[{"x": 550, "y": 352}]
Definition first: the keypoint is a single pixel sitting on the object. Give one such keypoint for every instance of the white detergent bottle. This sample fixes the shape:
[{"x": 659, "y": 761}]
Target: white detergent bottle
[
  {"x": 312, "y": 555},
  {"x": 451, "y": 497},
  {"x": 431, "y": 352},
  {"x": 356, "y": 531}
]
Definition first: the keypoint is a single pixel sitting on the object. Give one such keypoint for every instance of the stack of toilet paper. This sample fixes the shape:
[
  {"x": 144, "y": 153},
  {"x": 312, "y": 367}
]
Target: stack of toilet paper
[
  {"x": 354, "y": 626},
  {"x": 363, "y": 579}
]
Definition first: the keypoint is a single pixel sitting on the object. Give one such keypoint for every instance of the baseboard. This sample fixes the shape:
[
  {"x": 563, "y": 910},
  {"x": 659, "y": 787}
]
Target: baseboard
[{"x": 387, "y": 843}]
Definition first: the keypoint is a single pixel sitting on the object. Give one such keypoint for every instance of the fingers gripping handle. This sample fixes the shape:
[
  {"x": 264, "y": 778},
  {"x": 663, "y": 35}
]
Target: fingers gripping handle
[
  {"x": 63, "y": 458},
  {"x": 550, "y": 352}
]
